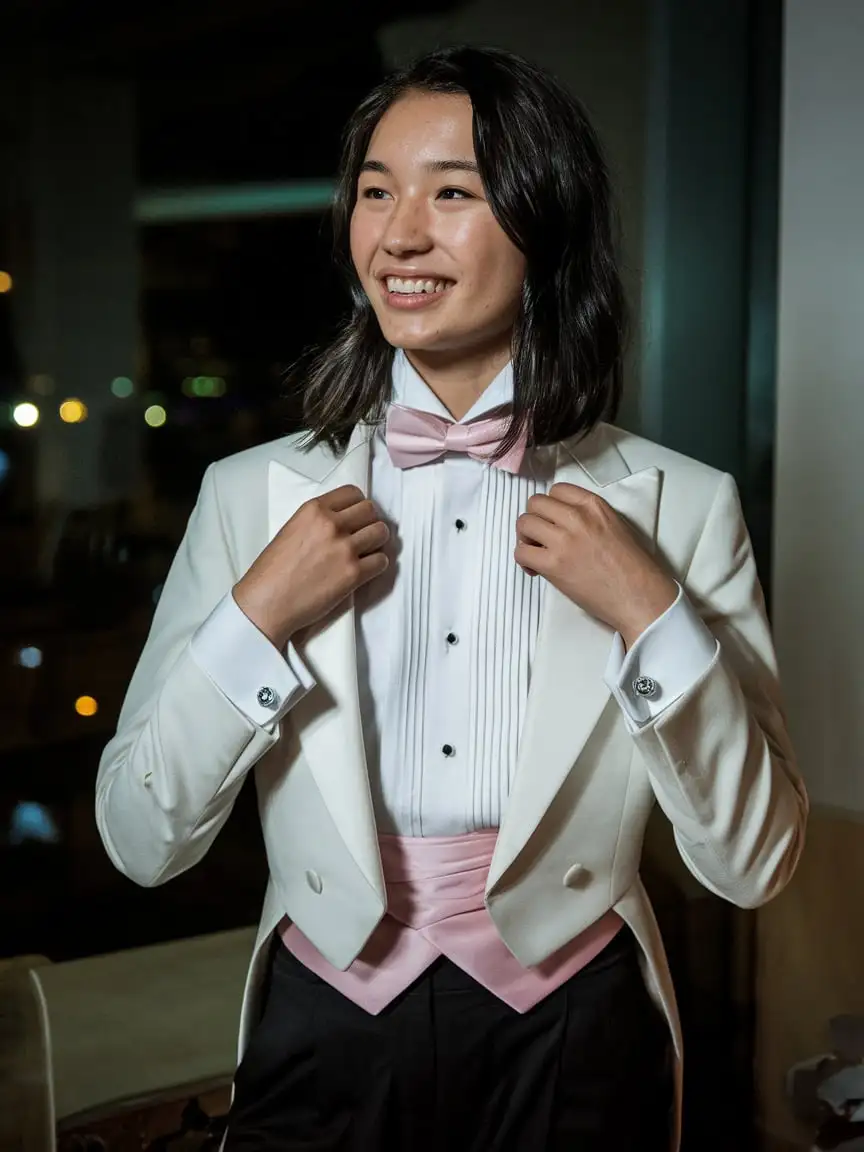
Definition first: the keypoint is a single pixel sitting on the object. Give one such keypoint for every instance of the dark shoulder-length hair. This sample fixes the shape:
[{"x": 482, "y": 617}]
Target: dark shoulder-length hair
[{"x": 547, "y": 184}]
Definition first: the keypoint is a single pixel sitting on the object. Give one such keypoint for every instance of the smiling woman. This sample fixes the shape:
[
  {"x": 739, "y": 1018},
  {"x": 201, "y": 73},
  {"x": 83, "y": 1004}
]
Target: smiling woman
[{"x": 454, "y": 170}]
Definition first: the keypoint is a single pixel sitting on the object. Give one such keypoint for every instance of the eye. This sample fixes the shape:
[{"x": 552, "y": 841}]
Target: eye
[
  {"x": 454, "y": 194},
  {"x": 373, "y": 194}
]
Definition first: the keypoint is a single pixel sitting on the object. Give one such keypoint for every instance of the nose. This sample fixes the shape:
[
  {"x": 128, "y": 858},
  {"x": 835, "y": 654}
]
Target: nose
[{"x": 407, "y": 230}]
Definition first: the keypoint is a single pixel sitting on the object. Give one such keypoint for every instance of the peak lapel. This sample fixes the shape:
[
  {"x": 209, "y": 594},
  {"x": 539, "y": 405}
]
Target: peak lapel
[
  {"x": 328, "y": 718},
  {"x": 568, "y": 693}
]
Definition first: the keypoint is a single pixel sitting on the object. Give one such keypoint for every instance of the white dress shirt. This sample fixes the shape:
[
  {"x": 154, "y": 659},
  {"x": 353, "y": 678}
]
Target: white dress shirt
[{"x": 446, "y": 638}]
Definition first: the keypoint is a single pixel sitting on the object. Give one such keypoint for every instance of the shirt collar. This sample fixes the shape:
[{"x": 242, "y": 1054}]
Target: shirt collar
[{"x": 412, "y": 391}]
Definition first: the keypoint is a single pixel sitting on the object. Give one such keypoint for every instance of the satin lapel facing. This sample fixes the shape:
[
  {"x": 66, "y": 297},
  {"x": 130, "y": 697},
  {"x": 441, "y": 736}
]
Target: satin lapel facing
[
  {"x": 328, "y": 718},
  {"x": 568, "y": 693}
]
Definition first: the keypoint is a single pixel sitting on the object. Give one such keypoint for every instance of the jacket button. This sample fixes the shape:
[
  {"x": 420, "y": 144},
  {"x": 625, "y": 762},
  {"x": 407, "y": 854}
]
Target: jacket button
[
  {"x": 315, "y": 882},
  {"x": 576, "y": 876}
]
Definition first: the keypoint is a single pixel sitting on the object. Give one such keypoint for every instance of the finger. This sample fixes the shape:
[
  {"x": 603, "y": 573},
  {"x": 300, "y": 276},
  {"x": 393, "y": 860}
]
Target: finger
[
  {"x": 572, "y": 494},
  {"x": 341, "y": 498},
  {"x": 535, "y": 530},
  {"x": 531, "y": 558},
  {"x": 371, "y": 538},
  {"x": 550, "y": 509},
  {"x": 357, "y": 516},
  {"x": 371, "y": 566}
]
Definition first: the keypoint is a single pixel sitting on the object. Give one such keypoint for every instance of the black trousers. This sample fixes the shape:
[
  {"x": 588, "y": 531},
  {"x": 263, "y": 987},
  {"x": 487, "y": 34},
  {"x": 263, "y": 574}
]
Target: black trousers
[{"x": 448, "y": 1067}]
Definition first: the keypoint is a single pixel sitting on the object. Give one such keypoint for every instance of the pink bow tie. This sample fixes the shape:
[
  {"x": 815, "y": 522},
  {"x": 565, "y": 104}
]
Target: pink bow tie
[{"x": 415, "y": 437}]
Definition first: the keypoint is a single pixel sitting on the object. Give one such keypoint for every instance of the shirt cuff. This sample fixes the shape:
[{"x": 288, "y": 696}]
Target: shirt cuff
[
  {"x": 258, "y": 679},
  {"x": 667, "y": 659}
]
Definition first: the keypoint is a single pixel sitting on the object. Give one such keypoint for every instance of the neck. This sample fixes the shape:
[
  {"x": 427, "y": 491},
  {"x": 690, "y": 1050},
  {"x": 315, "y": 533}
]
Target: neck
[{"x": 458, "y": 382}]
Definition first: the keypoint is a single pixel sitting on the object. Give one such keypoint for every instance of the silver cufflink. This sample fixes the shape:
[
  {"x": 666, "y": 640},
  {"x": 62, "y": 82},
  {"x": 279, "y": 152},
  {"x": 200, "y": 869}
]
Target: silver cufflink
[
  {"x": 645, "y": 686},
  {"x": 267, "y": 698}
]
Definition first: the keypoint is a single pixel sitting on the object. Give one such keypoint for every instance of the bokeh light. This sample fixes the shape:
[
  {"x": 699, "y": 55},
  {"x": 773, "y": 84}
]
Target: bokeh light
[
  {"x": 5, "y": 465},
  {"x": 86, "y": 706},
  {"x": 30, "y": 657},
  {"x": 31, "y": 820},
  {"x": 155, "y": 415},
  {"x": 204, "y": 387},
  {"x": 122, "y": 387},
  {"x": 25, "y": 415},
  {"x": 5, "y": 282},
  {"x": 73, "y": 411}
]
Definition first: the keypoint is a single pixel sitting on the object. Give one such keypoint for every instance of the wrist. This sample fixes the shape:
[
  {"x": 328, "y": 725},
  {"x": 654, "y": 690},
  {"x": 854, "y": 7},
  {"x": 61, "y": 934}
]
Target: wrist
[
  {"x": 653, "y": 603},
  {"x": 278, "y": 632}
]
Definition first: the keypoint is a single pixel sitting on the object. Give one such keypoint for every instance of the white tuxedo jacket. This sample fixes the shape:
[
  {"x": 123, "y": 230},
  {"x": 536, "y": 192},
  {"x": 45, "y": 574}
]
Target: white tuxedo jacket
[{"x": 718, "y": 760}]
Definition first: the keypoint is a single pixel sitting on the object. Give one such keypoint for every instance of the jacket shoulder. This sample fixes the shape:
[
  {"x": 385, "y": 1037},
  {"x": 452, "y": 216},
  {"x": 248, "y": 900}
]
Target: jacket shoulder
[{"x": 639, "y": 453}]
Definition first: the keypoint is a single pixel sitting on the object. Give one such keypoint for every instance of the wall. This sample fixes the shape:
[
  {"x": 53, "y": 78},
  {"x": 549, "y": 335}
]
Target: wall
[{"x": 812, "y": 940}]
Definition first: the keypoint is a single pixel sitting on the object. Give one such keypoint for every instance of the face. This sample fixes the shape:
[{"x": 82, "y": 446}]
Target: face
[{"x": 439, "y": 270}]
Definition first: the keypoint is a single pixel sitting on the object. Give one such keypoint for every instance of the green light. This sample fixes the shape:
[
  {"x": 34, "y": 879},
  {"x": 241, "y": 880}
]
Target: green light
[
  {"x": 122, "y": 387},
  {"x": 174, "y": 205},
  {"x": 203, "y": 387}
]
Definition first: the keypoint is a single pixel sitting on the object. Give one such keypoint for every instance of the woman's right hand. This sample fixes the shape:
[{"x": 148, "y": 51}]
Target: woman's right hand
[{"x": 330, "y": 547}]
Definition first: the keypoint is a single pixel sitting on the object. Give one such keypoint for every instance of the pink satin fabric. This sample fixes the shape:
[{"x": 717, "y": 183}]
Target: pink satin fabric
[
  {"x": 415, "y": 437},
  {"x": 435, "y": 888}
]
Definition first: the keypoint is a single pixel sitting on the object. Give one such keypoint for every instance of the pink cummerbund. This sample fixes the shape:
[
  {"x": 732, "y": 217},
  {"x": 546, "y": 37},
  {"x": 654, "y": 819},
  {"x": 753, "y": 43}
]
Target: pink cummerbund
[{"x": 435, "y": 889}]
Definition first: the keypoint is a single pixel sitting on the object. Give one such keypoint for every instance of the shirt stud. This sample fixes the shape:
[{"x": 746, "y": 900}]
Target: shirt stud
[
  {"x": 460, "y": 525},
  {"x": 448, "y": 750},
  {"x": 267, "y": 698},
  {"x": 452, "y": 638},
  {"x": 644, "y": 686}
]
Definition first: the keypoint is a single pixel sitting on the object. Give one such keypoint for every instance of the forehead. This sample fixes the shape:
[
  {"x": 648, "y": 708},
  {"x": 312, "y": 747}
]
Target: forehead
[{"x": 423, "y": 126}]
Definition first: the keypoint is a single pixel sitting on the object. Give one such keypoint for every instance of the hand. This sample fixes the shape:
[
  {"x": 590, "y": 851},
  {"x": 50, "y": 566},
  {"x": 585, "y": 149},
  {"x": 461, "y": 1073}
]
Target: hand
[
  {"x": 330, "y": 547},
  {"x": 583, "y": 547}
]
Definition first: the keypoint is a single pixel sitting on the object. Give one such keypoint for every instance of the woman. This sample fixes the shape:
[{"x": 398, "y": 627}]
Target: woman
[{"x": 466, "y": 633}]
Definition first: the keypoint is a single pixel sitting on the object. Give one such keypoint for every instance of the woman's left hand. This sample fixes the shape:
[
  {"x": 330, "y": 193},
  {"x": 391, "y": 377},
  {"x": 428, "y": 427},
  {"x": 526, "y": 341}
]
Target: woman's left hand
[{"x": 582, "y": 546}]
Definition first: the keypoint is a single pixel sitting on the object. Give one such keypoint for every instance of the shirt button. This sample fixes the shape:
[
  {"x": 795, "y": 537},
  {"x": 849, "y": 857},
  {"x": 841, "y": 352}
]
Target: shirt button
[
  {"x": 448, "y": 750},
  {"x": 460, "y": 525},
  {"x": 452, "y": 638}
]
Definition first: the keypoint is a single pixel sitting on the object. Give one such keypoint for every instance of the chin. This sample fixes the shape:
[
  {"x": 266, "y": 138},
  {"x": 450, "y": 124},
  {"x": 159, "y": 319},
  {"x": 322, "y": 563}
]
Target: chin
[{"x": 412, "y": 340}]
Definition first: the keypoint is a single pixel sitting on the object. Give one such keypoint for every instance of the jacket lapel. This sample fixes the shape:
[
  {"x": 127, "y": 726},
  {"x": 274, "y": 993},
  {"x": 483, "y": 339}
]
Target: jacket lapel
[
  {"x": 568, "y": 693},
  {"x": 328, "y": 719}
]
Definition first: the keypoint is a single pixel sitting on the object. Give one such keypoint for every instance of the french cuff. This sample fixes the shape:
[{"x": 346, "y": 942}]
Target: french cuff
[
  {"x": 669, "y": 657},
  {"x": 258, "y": 679}
]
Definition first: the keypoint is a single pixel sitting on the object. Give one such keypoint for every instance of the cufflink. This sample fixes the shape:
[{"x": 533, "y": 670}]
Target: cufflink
[
  {"x": 267, "y": 698},
  {"x": 644, "y": 686}
]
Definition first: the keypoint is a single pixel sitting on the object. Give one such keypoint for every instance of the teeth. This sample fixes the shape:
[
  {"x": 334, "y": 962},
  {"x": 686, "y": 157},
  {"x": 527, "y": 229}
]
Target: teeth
[{"x": 412, "y": 287}]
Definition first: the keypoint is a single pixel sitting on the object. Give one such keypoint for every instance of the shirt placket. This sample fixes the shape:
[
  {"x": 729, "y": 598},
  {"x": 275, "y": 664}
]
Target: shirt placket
[{"x": 447, "y": 771}]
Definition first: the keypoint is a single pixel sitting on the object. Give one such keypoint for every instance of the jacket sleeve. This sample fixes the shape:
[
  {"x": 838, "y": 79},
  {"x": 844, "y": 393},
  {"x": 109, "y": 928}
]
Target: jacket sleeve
[
  {"x": 720, "y": 760},
  {"x": 168, "y": 779}
]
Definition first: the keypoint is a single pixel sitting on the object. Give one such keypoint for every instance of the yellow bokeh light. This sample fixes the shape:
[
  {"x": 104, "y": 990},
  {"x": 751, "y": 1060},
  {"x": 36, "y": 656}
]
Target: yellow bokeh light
[
  {"x": 86, "y": 706},
  {"x": 5, "y": 282},
  {"x": 73, "y": 411},
  {"x": 155, "y": 415},
  {"x": 25, "y": 415}
]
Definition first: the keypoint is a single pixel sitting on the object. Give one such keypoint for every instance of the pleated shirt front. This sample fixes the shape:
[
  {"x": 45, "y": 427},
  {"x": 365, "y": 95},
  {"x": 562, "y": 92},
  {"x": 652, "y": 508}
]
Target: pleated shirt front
[{"x": 445, "y": 641}]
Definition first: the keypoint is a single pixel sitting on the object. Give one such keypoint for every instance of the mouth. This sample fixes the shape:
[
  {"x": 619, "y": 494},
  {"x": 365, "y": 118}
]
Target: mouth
[{"x": 414, "y": 292}]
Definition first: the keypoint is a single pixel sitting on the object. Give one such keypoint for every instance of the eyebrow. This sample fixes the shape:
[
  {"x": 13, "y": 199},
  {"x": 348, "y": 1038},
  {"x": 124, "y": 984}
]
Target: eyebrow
[{"x": 431, "y": 166}]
